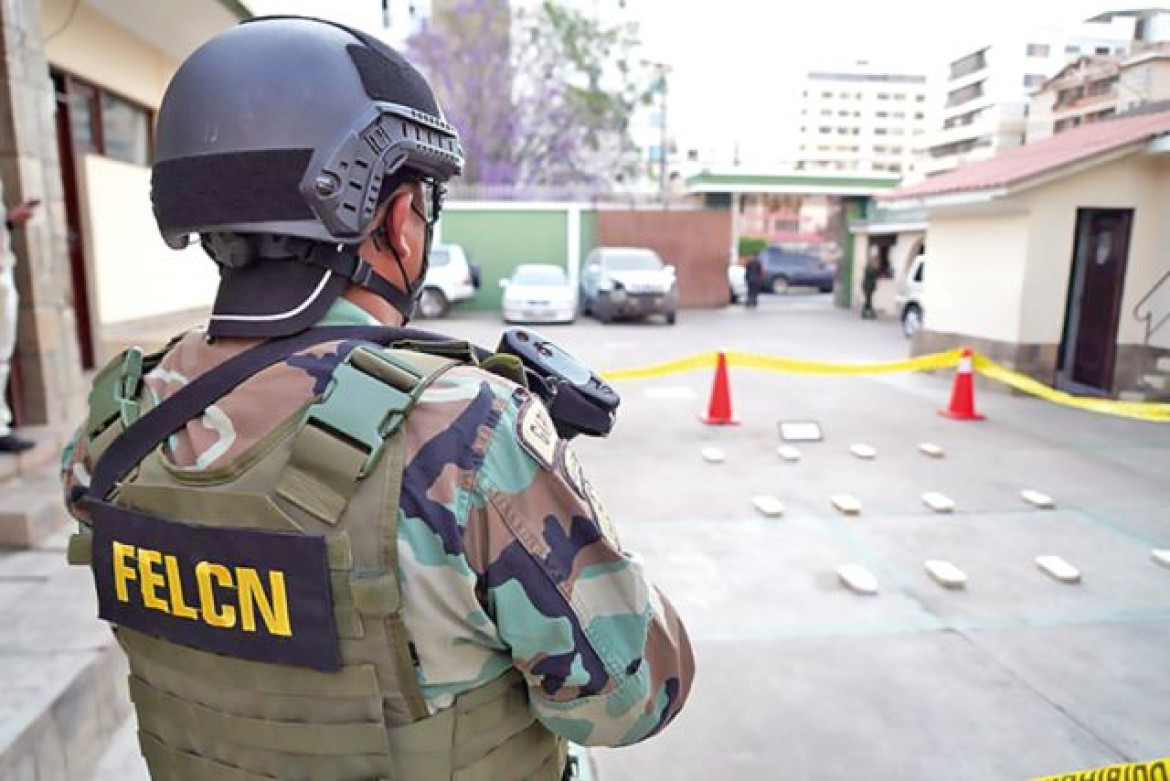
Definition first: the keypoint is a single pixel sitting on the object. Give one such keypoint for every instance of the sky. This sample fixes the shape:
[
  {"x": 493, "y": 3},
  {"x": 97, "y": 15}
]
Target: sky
[{"x": 736, "y": 65}]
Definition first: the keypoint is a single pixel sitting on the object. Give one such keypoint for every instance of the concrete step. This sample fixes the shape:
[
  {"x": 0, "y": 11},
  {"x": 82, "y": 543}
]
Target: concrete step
[
  {"x": 1160, "y": 382},
  {"x": 62, "y": 676},
  {"x": 45, "y": 455},
  {"x": 32, "y": 509}
]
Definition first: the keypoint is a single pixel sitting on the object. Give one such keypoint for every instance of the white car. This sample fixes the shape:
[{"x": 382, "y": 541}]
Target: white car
[
  {"x": 628, "y": 282},
  {"x": 909, "y": 298},
  {"x": 449, "y": 279},
  {"x": 536, "y": 293}
]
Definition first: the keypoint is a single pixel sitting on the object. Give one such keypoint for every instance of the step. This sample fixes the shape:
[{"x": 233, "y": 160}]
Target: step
[
  {"x": 62, "y": 675},
  {"x": 45, "y": 455},
  {"x": 1159, "y": 382},
  {"x": 32, "y": 509}
]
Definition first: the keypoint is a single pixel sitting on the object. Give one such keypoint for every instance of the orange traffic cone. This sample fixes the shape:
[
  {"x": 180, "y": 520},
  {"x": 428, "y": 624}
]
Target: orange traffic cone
[
  {"x": 962, "y": 406},
  {"x": 719, "y": 407}
]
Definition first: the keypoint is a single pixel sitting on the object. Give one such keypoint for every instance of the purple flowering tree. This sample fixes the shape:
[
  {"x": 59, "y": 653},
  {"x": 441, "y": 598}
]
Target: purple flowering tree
[{"x": 542, "y": 96}]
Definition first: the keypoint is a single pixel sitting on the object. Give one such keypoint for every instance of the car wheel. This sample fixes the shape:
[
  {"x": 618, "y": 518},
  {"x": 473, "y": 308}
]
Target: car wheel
[
  {"x": 432, "y": 303},
  {"x": 911, "y": 320},
  {"x": 671, "y": 317},
  {"x": 780, "y": 285}
]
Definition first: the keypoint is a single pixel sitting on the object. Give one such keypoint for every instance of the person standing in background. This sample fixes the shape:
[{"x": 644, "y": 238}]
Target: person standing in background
[
  {"x": 15, "y": 218},
  {"x": 754, "y": 277}
]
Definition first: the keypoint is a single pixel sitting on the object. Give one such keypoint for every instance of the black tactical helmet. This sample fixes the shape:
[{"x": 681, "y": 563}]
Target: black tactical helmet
[{"x": 277, "y": 140}]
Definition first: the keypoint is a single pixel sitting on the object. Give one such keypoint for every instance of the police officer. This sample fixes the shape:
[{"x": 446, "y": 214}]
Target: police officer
[{"x": 326, "y": 558}]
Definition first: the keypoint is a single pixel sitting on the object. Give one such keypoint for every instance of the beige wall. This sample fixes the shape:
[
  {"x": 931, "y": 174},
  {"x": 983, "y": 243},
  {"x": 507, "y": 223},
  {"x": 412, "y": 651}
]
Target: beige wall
[
  {"x": 976, "y": 275},
  {"x": 96, "y": 49},
  {"x": 1139, "y": 182},
  {"x": 132, "y": 273}
]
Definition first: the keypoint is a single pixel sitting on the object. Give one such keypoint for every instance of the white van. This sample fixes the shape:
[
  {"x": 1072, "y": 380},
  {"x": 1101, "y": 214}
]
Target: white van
[{"x": 449, "y": 279}]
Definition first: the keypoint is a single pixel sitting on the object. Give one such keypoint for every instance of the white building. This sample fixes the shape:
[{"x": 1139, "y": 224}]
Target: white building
[
  {"x": 861, "y": 119},
  {"x": 985, "y": 105}
]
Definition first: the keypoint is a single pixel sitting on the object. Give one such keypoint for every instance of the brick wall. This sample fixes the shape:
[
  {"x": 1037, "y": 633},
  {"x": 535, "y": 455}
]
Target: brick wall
[{"x": 698, "y": 243}]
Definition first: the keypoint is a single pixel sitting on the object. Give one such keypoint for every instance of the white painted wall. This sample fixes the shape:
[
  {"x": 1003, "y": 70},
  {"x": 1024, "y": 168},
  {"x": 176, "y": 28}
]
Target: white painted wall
[
  {"x": 1140, "y": 182},
  {"x": 975, "y": 282},
  {"x": 132, "y": 273}
]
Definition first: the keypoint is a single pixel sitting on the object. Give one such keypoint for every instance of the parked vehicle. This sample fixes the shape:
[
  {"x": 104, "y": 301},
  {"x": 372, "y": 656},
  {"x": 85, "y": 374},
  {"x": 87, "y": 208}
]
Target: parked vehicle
[
  {"x": 783, "y": 270},
  {"x": 538, "y": 293},
  {"x": 450, "y": 278},
  {"x": 909, "y": 298},
  {"x": 737, "y": 282},
  {"x": 628, "y": 282}
]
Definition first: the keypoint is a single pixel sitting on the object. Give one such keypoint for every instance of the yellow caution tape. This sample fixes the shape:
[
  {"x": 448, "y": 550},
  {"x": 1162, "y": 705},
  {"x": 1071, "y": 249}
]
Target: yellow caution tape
[
  {"x": 1154, "y": 770},
  {"x": 1138, "y": 410}
]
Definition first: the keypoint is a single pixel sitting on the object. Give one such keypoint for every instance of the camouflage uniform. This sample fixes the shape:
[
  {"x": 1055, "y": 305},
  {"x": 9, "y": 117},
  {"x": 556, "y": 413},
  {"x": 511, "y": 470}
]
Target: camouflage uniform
[{"x": 503, "y": 557}]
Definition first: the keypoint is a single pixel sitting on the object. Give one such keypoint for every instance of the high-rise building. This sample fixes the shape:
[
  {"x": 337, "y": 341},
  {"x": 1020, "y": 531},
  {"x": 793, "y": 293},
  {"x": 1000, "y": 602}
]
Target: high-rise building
[
  {"x": 861, "y": 119},
  {"x": 986, "y": 93}
]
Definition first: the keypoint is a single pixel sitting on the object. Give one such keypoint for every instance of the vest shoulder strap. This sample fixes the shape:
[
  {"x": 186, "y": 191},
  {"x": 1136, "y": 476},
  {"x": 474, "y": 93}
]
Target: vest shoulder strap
[{"x": 344, "y": 433}]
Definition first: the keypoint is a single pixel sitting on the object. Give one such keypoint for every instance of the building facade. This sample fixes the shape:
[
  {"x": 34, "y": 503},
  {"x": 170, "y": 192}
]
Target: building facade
[
  {"x": 985, "y": 98},
  {"x": 1095, "y": 88},
  {"x": 861, "y": 119}
]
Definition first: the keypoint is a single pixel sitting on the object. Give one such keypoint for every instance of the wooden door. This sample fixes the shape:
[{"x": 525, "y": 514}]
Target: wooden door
[{"x": 1100, "y": 256}]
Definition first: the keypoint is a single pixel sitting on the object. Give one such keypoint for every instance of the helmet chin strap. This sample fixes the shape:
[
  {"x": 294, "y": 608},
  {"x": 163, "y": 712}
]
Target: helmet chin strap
[{"x": 405, "y": 302}]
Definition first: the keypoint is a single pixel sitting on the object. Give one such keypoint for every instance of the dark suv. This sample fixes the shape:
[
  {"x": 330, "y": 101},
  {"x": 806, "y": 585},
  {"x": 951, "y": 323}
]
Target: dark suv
[{"x": 783, "y": 269}]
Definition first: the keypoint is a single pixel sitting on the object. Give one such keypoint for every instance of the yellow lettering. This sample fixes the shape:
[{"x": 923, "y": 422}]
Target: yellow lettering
[
  {"x": 123, "y": 571},
  {"x": 223, "y": 616},
  {"x": 150, "y": 580},
  {"x": 252, "y": 595},
  {"x": 179, "y": 608}
]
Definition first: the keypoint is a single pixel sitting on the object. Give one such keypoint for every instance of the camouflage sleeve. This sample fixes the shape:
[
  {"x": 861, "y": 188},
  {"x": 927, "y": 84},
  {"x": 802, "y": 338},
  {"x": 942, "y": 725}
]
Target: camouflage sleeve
[
  {"x": 606, "y": 657},
  {"x": 75, "y": 475}
]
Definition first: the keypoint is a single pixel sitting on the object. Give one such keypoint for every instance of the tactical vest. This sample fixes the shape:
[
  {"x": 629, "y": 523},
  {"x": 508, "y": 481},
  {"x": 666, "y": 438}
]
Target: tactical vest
[{"x": 233, "y": 672}]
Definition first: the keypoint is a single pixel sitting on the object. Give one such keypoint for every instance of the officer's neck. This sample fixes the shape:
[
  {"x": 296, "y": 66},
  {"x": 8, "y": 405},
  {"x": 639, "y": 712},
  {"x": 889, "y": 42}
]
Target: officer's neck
[{"x": 378, "y": 307}]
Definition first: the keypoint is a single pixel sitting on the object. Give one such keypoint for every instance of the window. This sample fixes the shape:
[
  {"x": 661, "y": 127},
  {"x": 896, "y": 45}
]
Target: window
[
  {"x": 1066, "y": 124},
  {"x": 1038, "y": 50},
  {"x": 883, "y": 114},
  {"x": 824, "y": 131},
  {"x": 1072, "y": 51},
  {"x": 919, "y": 98},
  {"x": 883, "y": 96},
  {"x": 1034, "y": 80},
  {"x": 965, "y": 94},
  {"x": 879, "y": 131},
  {"x": 919, "y": 115},
  {"x": 105, "y": 124},
  {"x": 826, "y": 94},
  {"x": 1101, "y": 50},
  {"x": 969, "y": 64}
]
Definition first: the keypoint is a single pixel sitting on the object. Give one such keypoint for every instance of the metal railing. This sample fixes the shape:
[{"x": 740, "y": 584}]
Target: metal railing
[{"x": 1154, "y": 307}]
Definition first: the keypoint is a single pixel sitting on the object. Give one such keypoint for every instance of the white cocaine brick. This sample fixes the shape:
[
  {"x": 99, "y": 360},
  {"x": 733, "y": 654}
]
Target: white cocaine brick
[
  {"x": 940, "y": 503},
  {"x": 931, "y": 449},
  {"x": 862, "y": 450},
  {"x": 857, "y": 579},
  {"x": 788, "y": 453},
  {"x": 713, "y": 455},
  {"x": 846, "y": 504},
  {"x": 946, "y": 574},
  {"x": 1041, "y": 500},
  {"x": 1058, "y": 568},
  {"x": 768, "y": 506}
]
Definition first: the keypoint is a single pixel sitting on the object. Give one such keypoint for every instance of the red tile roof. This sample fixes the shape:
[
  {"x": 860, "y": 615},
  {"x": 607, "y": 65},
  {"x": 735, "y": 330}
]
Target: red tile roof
[{"x": 1018, "y": 164}]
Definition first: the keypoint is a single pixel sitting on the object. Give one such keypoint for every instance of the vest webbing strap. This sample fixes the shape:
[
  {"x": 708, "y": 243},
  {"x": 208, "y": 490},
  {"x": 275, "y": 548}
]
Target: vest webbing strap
[
  {"x": 165, "y": 762},
  {"x": 225, "y": 671},
  {"x": 159, "y": 708}
]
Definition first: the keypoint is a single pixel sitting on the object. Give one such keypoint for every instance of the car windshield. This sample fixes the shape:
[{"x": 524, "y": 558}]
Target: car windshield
[
  {"x": 632, "y": 261},
  {"x": 539, "y": 275}
]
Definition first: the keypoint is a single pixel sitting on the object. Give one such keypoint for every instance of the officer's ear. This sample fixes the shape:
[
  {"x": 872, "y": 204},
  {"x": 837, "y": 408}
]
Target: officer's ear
[{"x": 397, "y": 219}]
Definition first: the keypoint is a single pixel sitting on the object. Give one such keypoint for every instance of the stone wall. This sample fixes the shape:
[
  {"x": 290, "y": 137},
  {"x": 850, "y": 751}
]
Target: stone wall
[{"x": 52, "y": 386}]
